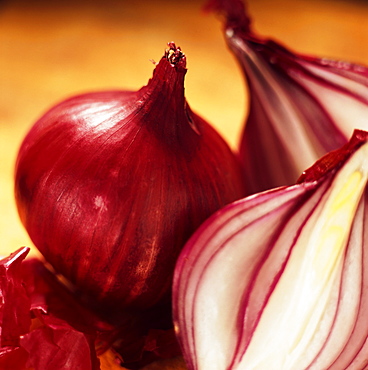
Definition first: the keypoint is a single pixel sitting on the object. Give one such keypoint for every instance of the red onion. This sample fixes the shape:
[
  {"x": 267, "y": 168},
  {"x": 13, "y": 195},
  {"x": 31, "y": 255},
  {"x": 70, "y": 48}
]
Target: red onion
[
  {"x": 279, "y": 279},
  {"x": 301, "y": 106},
  {"x": 110, "y": 185}
]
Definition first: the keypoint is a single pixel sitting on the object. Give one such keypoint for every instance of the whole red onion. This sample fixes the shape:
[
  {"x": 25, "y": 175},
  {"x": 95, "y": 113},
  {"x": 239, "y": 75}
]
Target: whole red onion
[{"x": 110, "y": 185}]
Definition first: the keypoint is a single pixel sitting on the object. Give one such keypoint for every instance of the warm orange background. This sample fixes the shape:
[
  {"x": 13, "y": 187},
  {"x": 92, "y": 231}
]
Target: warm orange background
[{"x": 52, "y": 49}]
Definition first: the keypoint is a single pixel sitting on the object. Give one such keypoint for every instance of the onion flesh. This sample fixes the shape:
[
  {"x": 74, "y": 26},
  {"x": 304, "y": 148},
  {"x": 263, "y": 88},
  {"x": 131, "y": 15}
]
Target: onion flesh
[{"x": 279, "y": 279}]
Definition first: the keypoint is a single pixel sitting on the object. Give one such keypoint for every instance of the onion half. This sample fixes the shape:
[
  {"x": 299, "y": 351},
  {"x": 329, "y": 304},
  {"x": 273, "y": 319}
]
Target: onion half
[
  {"x": 301, "y": 106},
  {"x": 279, "y": 279}
]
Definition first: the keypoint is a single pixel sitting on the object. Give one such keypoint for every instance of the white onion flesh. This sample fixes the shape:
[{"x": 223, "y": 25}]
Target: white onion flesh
[{"x": 279, "y": 280}]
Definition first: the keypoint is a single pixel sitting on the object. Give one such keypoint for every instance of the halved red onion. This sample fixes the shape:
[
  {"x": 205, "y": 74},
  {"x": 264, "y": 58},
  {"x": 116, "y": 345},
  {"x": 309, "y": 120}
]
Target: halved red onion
[
  {"x": 279, "y": 279},
  {"x": 301, "y": 106}
]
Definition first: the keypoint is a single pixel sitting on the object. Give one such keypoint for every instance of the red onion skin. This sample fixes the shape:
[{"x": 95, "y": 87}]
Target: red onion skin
[
  {"x": 41, "y": 321},
  {"x": 14, "y": 306},
  {"x": 110, "y": 185}
]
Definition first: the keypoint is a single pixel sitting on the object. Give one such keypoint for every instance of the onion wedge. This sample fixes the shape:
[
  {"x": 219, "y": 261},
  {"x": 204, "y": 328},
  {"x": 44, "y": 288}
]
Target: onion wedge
[
  {"x": 300, "y": 106},
  {"x": 279, "y": 280}
]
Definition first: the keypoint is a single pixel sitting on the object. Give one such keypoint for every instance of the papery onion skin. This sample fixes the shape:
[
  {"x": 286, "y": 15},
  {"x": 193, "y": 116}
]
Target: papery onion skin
[
  {"x": 14, "y": 302},
  {"x": 300, "y": 106},
  {"x": 110, "y": 185},
  {"x": 259, "y": 254},
  {"x": 42, "y": 326}
]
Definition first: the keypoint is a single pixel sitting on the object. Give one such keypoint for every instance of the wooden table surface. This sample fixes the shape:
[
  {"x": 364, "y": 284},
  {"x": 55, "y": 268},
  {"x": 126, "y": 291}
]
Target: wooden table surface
[{"x": 50, "y": 50}]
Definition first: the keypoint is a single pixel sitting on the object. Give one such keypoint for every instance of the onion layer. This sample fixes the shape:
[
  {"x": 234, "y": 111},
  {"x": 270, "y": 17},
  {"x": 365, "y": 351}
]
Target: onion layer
[
  {"x": 110, "y": 185},
  {"x": 301, "y": 107},
  {"x": 279, "y": 279}
]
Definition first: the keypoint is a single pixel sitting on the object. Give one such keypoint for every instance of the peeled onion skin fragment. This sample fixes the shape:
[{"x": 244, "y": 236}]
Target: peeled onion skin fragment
[
  {"x": 300, "y": 107},
  {"x": 111, "y": 184},
  {"x": 278, "y": 280},
  {"x": 37, "y": 332},
  {"x": 14, "y": 303}
]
